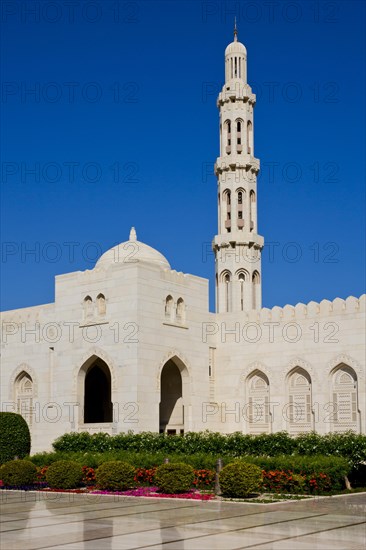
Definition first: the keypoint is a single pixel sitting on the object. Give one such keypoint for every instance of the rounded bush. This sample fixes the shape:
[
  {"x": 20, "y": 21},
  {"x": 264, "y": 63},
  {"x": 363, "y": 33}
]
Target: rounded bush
[
  {"x": 64, "y": 474},
  {"x": 18, "y": 473},
  {"x": 174, "y": 478},
  {"x": 115, "y": 476},
  {"x": 240, "y": 479},
  {"x": 15, "y": 440}
]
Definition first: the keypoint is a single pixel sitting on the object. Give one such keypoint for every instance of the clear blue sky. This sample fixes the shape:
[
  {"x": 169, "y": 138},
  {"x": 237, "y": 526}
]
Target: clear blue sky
[{"x": 123, "y": 125}]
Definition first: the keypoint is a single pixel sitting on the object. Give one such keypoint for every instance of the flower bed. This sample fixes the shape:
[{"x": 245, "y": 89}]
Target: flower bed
[
  {"x": 279, "y": 481},
  {"x": 155, "y": 493},
  {"x": 311, "y": 476}
]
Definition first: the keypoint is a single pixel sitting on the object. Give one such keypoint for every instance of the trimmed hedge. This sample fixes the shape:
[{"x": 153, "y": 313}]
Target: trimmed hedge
[
  {"x": 115, "y": 476},
  {"x": 240, "y": 479},
  {"x": 174, "y": 478},
  {"x": 64, "y": 474},
  {"x": 348, "y": 445},
  {"x": 18, "y": 473},
  {"x": 15, "y": 440}
]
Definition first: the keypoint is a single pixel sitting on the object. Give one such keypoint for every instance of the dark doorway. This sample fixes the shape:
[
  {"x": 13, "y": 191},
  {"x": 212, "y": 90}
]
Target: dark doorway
[
  {"x": 97, "y": 401},
  {"x": 171, "y": 399}
]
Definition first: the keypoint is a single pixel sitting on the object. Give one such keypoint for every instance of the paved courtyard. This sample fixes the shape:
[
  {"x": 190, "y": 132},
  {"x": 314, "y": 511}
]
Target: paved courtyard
[{"x": 97, "y": 522}]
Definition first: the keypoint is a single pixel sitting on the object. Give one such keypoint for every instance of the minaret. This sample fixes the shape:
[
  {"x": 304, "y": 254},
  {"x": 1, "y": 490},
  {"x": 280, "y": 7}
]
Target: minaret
[{"x": 238, "y": 246}]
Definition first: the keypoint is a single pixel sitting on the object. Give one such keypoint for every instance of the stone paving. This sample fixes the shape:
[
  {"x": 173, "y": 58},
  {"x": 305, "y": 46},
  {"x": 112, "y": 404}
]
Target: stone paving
[{"x": 31, "y": 521}]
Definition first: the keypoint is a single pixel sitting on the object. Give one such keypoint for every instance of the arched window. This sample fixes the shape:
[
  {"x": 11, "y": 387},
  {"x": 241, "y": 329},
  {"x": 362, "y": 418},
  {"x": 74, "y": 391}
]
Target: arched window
[
  {"x": 242, "y": 278},
  {"x": 258, "y": 403},
  {"x": 88, "y": 307},
  {"x": 253, "y": 210},
  {"x": 180, "y": 312},
  {"x": 169, "y": 306},
  {"x": 226, "y": 280},
  {"x": 255, "y": 289},
  {"x": 250, "y": 150},
  {"x": 345, "y": 399},
  {"x": 227, "y": 136},
  {"x": 240, "y": 208},
  {"x": 101, "y": 305},
  {"x": 24, "y": 396},
  {"x": 239, "y": 136},
  {"x": 238, "y": 130},
  {"x": 300, "y": 401},
  {"x": 227, "y": 200}
]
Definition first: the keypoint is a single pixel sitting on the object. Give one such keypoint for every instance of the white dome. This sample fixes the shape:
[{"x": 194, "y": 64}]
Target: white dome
[
  {"x": 235, "y": 47},
  {"x": 132, "y": 251}
]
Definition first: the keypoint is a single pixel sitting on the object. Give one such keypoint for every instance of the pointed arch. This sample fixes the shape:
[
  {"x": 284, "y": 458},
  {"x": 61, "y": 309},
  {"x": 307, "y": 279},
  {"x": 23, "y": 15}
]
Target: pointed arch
[
  {"x": 88, "y": 307},
  {"x": 239, "y": 125},
  {"x": 257, "y": 405},
  {"x": 101, "y": 305},
  {"x": 226, "y": 280},
  {"x": 250, "y": 150},
  {"x": 94, "y": 381},
  {"x": 242, "y": 277},
  {"x": 256, "y": 289},
  {"x": 169, "y": 307},
  {"x": 252, "y": 210},
  {"x": 240, "y": 206},
  {"x": 180, "y": 311},
  {"x": 174, "y": 386},
  {"x": 227, "y": 136},
  {"x": 23, "y": 389},
  {"x": 22, "y": 368},
  {"x": 299, "y": 411},
  {"x": 344, "y": 387}
]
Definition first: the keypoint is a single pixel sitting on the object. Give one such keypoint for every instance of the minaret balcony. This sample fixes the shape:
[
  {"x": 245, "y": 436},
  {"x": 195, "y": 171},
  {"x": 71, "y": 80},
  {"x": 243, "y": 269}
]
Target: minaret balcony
[
  {"x": 236, "y": 90},
  {"x": 236, "y": 161},
  {"x": 237, "y": 237}
]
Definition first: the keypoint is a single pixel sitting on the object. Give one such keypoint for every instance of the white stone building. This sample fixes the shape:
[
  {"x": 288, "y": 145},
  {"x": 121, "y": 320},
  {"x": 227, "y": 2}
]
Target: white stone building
[{"x": 131, "y": 344}]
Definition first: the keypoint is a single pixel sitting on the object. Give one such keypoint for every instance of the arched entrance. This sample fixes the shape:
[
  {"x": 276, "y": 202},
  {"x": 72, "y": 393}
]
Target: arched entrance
[
  {"x": 173, "y": 379},
  {"x": 97, "y": 392}
]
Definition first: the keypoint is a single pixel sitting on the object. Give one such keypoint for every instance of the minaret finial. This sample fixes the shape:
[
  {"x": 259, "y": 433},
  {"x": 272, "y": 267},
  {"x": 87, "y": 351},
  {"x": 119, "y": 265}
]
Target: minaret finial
[
  {"x": 133, "y": 236},
  {"x": 235, "y": 31}
]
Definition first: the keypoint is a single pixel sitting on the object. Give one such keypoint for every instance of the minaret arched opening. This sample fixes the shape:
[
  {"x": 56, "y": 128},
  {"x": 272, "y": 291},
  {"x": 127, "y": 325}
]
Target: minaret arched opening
[{"x": 250, "y": 150}]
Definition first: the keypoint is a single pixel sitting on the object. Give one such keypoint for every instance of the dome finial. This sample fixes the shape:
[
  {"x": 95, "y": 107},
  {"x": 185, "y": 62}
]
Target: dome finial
[
  {"x": 235, "y": 31},
  {"x": 133, "y": 236}
]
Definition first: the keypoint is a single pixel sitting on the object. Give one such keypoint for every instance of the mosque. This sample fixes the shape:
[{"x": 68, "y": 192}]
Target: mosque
[{"x": 131, "y": 344}]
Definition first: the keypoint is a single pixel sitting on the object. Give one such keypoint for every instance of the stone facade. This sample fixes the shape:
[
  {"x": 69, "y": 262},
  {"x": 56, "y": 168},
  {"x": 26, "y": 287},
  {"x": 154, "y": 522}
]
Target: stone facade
[{"x": 131, "y": 344}]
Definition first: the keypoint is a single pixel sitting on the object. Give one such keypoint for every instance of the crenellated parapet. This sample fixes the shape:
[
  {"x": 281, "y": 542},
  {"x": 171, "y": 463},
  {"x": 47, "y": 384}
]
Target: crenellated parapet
[
  {"x": 325, "y": 308},
  {"x": 28, "y": 315}
]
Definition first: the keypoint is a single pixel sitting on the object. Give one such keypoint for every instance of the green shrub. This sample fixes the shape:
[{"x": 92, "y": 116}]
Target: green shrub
[
  {"x": 17, "y": 473},
  {"x": 115, "y": 476},
  {"x": 348, "y": 445},
  {"x": 240, "y": 479},
  {"x": 335, "y": 467},
  {"x": 64, "y": 474},
  {"x": 15, "y": 440},
  {"x": 174, "y": 478}
]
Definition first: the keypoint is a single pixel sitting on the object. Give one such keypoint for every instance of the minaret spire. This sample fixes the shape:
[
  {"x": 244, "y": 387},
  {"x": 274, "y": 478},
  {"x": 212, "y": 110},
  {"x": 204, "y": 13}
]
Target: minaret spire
[
  {"x": 237, "y": 246},
  {"x": 133, "y": 236},
  {"x": 235, "y": 31}
]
